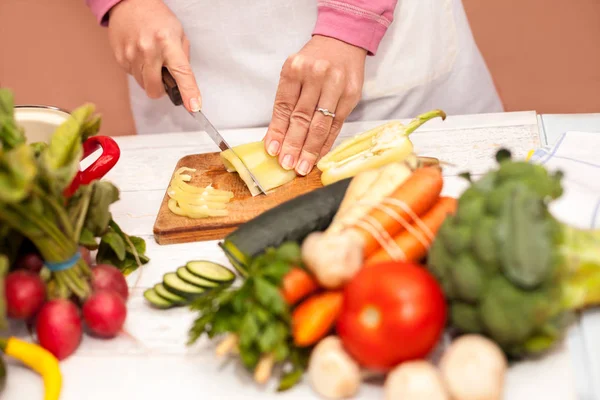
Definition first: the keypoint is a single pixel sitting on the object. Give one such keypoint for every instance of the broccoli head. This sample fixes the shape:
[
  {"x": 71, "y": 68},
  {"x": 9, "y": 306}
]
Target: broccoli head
[{"x": 509, "y": 269}]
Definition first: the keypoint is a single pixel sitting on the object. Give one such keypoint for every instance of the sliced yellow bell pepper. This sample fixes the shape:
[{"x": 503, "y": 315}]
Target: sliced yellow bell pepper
[
  {"x": 374, "y": 148},
  {"x": 38, "y": 359},
  {"x": 265, "y": 167}
]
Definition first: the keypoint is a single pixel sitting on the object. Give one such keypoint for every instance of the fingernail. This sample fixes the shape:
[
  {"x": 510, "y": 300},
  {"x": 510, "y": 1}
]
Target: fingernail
[
  {"x": 195, "y": 104},
  {"x": 288, "y": 162},
  {"x": 304, "y": 167},
  {"x": 273, "y": 148}
]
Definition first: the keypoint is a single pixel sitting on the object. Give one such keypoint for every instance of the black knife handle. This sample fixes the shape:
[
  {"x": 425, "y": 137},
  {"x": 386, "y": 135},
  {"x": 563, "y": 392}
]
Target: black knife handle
[{"x": 171, "y": 87}]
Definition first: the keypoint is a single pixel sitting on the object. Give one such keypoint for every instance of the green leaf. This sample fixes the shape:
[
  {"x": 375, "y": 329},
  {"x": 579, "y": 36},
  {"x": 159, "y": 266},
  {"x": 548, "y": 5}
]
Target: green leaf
[
  {"x": 249, "y": 330},
  {"x": 11, "y": 135},
  {"x": 17, "y": 173},
  {"x": 269, "y": 296},
  {"x": 275, "y": 271},
  {"x": 98, "y": 216},
  {"x": 63, "y": 154},
  {"x": 290, "y": 379},
  {"x": 88, "y": 240},
  {"x": 91, "y": 127},
  {"x": 3, "y": 271},
  {"x": 116, "y": 243}
]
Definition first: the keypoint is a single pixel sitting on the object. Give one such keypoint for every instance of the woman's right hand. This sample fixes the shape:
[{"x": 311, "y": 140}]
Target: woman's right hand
[{"x": 145, "y": 36}]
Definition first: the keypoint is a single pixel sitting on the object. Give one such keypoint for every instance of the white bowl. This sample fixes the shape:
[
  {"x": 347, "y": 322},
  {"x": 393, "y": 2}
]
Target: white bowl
[{"x": 38, "y": 121}]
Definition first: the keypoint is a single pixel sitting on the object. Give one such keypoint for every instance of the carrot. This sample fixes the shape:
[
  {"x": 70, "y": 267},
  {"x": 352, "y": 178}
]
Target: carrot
[
  {"x": 296, "y": 284},
  {"x": 393, "y": 214},
  {"x": 414, "y": 243},
  {"x": 315, "y": 316}
]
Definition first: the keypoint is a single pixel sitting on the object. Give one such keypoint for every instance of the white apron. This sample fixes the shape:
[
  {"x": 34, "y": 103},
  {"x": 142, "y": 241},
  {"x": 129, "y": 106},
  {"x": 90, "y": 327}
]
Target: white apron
[{"x": 427, "y": 59}]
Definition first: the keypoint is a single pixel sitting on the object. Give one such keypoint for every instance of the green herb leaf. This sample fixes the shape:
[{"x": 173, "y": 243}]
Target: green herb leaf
[
  {"x": 290, "y": 379},
  {"x": 269, "y": 296}
]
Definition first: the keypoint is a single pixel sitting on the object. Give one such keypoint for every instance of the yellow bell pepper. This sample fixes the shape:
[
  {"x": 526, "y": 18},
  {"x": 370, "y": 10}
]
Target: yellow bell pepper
[
  {"x": 265, "y": 167},
  {"x": 38, "y": 359},
  {"x": 372, "y": 149}
]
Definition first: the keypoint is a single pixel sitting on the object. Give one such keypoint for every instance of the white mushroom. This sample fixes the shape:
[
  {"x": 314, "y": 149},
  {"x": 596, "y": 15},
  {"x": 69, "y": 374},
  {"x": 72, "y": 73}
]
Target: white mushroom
[
  {"x": 415, "y": 380},
  {"x": 332, "y": 373},
  {"x": 333, "y": 258},
  {"x": 473, "y": 368}
]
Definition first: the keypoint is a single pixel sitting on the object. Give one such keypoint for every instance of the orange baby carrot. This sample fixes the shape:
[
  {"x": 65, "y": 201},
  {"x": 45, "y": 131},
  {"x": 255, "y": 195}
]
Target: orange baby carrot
[
  {"x": 410, "y": 200},
  {"x": 315, "y": 316},
  {"x": 414, "y": 243},
  {"x": 297, "y": 284}
]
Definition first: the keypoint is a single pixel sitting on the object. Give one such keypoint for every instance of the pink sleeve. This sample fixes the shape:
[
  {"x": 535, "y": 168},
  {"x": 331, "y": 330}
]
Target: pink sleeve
[
  {"x": 361, "y": 23},
  {"x": 100, "y": 9}
]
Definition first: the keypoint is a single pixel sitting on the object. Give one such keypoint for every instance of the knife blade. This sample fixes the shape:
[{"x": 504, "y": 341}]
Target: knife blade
[{"x": 173, "y": 92}]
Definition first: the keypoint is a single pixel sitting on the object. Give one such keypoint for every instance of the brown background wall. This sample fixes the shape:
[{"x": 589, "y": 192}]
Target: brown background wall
[{"x": 543, "y": 55}]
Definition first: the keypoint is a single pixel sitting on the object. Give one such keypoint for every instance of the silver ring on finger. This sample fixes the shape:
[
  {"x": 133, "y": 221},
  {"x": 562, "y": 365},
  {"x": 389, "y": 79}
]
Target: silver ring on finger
[{"x": 326, "y": 112}]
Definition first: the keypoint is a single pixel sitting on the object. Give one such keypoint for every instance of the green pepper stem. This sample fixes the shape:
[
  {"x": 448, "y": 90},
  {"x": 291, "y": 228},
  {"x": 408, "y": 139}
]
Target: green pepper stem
[
  {"x": 580, "y": 250},
  {"x": 421, "y": 119}
]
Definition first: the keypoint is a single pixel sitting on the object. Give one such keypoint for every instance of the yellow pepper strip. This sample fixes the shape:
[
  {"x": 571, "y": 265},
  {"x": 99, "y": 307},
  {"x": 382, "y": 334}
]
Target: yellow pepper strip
[
  {"x": 372, "y": 149},
  {"x": 38, "y": 359}
]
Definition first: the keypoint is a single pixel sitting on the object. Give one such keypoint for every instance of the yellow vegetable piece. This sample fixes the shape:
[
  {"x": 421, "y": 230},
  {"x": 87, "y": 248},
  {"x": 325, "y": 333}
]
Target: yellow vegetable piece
[
  {"x": 374, "y": 148},
  {"x": 195, "y": 202},
  {"x": 265, "y": 168},
  {"x": 38, "y": 359}
]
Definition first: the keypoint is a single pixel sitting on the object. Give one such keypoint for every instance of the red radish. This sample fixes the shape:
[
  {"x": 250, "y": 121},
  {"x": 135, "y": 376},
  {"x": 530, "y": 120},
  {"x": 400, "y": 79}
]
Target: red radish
[
  {"x": 107, "y": 277},
  {"x": 104, "y": 313},
  {"x": 86, "y": 255},
  {"x": 30, "y": 262},
  {"x": 25, "y": 293},
  {"x": 59, "y": 328}
]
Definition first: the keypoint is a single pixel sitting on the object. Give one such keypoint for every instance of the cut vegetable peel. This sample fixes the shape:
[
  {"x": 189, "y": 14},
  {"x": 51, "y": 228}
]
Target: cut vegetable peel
[
  {"x": 195, "y": 202},
  {"x": 379, "y": 146}
]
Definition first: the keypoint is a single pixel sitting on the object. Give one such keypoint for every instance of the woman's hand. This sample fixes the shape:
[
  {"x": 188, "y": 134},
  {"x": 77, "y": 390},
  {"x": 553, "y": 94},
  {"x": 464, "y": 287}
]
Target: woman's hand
[
  {"x": 145, "y": 36},
  {"x": 326, "y": 73}
]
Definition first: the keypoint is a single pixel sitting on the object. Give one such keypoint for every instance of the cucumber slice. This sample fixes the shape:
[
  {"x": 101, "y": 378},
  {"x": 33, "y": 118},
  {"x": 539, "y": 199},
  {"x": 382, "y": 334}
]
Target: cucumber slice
[
  {"x": 160, "y": 290},
  {"x": 157, "y": 301},
  {"x": 184, "y": 274},
  {"x": 211, "y": 271},
  {"x": 176, "y": 285}
]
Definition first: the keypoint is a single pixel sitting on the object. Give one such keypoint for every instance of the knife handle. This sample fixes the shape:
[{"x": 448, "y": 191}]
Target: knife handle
[{"x": 171, "y": 87}]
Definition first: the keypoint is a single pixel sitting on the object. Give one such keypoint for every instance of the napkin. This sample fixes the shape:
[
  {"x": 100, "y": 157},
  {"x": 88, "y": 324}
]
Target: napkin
[{"x": 577, "y": 154}]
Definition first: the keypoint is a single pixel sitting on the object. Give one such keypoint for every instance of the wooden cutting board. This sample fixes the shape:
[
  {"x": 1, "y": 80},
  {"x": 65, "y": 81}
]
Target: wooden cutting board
[{"x": 170, "y": 228}]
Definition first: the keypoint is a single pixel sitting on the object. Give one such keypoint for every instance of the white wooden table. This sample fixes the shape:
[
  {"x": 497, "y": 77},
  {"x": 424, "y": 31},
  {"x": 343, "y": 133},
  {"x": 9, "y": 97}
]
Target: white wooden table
[{"x": 153, "y": 362}]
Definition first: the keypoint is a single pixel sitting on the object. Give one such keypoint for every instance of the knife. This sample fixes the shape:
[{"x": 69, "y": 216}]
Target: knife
[{"x": 173, "y": 92}]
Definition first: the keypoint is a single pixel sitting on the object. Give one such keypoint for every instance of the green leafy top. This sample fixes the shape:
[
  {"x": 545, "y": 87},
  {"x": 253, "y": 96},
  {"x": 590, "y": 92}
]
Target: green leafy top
[
  {"x": 11, "y": 135},
  {"x": 256, "y": 312}
]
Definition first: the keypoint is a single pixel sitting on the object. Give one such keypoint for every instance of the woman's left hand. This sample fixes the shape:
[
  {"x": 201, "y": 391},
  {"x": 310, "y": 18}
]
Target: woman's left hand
[{"x": 326, "y": 73}]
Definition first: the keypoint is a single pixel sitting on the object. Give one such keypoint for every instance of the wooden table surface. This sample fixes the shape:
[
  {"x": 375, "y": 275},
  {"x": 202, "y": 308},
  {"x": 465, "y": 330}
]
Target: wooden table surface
[{"x": 154, "y": 362}]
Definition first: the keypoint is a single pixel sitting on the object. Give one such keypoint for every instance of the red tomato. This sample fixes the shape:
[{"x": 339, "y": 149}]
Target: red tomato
[{"x": 392, "y": 312}]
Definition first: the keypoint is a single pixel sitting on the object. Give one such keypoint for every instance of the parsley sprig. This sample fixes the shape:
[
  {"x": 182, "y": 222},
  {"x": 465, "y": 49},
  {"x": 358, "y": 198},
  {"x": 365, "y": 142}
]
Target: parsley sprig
[{"x": 257, "y": 314}]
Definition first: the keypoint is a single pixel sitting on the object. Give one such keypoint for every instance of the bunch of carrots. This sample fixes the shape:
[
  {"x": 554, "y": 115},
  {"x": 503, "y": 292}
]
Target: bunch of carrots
[{"x": 401, "y": 227}]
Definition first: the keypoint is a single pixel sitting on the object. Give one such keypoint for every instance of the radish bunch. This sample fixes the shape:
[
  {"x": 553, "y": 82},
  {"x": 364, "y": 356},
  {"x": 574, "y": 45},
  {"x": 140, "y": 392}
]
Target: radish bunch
[{"x": 59, "y": 323}]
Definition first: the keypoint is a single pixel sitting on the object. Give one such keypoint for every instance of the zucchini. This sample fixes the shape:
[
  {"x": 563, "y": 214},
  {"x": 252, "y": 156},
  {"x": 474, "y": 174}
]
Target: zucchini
[
  {"x": 160, "y": 290},
  {"x": 211, "y": 271},
  {"x": 157, "y": 301},
  {"x": 184, "y": 274},
  {"x": 175, "y": 284},
  {"x": 290, "y": 221}
]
